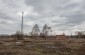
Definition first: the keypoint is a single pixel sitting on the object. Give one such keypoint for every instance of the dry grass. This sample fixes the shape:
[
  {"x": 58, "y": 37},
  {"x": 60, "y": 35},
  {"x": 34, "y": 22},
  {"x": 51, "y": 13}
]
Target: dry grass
[{"x": 44, "y": 47}]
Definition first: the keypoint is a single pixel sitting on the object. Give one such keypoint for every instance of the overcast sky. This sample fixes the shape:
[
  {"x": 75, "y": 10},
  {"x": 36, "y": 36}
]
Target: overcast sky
[{"x": 65, "y": 16}]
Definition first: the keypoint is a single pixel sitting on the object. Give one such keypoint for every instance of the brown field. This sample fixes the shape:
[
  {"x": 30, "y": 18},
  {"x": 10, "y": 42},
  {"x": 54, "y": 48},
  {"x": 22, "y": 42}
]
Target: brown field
[{"x": 71, "y": 46}]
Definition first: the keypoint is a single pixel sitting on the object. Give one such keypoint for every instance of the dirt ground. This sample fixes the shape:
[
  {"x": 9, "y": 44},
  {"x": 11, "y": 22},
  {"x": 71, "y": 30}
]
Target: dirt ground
[{"x": 71, "y": 46}]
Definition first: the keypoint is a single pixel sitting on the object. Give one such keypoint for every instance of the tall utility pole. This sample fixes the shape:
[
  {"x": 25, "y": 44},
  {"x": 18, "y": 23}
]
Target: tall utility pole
[{"x": 22, "y": 27}]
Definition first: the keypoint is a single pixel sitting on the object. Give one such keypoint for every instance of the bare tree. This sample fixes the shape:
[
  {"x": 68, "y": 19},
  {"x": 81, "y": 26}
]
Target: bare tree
[
  {"x": 45, "y": 30},
  {"x": 17, "y": 35},
  {"x": 80, "y": 34},
  {"x": 35, "y": 31}
]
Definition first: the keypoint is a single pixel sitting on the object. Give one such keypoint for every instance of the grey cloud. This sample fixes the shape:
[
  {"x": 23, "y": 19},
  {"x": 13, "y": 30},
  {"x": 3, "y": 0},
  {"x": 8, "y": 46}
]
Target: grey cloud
[
  {"x": 73, "y": 12},
  {"x": 42, "y": 5},
  {"x": 4, "y": 16},
  {"x": 75, "y": 18}
]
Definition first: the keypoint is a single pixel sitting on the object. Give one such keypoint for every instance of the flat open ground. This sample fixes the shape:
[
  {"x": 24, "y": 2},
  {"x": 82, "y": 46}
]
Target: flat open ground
[{"x": 72, "y": 46}]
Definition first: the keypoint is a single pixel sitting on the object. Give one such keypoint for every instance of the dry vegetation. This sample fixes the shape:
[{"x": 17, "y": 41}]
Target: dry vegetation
[{"x": 43, "y": 47}]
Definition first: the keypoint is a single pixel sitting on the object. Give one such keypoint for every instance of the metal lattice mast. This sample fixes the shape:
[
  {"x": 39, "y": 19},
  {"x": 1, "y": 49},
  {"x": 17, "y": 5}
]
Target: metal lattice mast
[{"x": 22, "y": 26}]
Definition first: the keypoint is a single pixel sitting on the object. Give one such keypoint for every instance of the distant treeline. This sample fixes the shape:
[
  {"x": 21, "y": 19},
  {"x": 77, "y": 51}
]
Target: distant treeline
[{"x": 46, "y": 32}]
